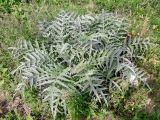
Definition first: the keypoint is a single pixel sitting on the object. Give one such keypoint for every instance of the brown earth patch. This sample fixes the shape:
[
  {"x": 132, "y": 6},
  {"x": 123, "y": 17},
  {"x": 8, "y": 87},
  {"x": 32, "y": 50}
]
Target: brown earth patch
[{"x": 8, "y": 106}]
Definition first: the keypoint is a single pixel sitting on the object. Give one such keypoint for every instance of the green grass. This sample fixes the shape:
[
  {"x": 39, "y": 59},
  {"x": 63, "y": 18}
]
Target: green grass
[{"x": 19, "y": 21}]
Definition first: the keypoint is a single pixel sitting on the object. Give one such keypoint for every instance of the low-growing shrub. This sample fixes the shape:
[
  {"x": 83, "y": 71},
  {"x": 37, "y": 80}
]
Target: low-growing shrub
[{"x": 90, "y": 54}]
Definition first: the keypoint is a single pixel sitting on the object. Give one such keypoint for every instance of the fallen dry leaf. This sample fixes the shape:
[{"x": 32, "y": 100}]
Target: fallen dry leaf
[{"x": 144, "y": 27}]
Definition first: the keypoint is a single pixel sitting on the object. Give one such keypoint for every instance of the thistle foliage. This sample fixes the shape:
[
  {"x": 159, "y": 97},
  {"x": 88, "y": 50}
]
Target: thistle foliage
[{"x": 82, "y": 53}]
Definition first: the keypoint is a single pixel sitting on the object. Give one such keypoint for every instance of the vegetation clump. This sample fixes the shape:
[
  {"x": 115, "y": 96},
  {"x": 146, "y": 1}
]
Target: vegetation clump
[{"x": 90, "y": 54}]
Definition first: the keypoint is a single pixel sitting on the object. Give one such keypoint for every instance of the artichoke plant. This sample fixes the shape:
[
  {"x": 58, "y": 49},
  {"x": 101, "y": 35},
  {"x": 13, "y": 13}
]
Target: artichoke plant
[{"x": 89, "y": 53}]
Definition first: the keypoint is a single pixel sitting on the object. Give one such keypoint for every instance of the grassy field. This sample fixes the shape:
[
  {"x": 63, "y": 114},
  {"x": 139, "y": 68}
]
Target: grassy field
[{"x": 18, "y": 20}]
